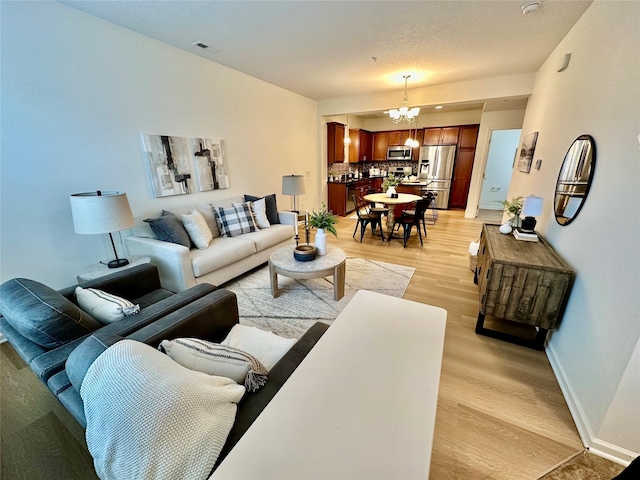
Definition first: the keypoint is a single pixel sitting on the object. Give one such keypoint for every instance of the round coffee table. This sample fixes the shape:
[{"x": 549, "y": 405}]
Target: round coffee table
[{"x": 333, "y": 263}]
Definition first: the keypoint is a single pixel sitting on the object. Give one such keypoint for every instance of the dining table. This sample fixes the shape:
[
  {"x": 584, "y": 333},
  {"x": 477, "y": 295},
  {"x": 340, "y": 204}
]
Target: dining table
[{"x": 402, "y": 198}]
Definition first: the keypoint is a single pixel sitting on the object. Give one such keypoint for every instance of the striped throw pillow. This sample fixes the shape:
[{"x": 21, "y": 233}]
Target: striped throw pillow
[
  {"x": 103, "y": 306},
  {"x": 219, "y": 360},
  {"x": 235, "y": 220}
]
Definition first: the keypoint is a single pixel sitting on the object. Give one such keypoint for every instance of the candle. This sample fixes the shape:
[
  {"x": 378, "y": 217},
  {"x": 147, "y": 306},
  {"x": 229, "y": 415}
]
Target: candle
[{"x": 295, "y": 225}]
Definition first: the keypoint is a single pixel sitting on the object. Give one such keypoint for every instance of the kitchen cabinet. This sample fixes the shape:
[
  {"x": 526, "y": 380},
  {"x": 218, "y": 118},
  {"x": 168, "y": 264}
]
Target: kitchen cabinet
[
  {"x": 468, "y": 136},
  {"x": 339, "y": 194},
  {"x": 465, "y": 154},
  {"x": 419, "y": 137},
  {"x": 399, "y": 137},
  {"x": 337, "y": 198},
  {"x": 461, "y": 178},
  {"x": 441, "y": 136},
  {"x": 335, "y": 142},
  {"x": 524, "y": 282},
  {"x": 360, "y": 147},
  {"x": 380, "y": 145}
]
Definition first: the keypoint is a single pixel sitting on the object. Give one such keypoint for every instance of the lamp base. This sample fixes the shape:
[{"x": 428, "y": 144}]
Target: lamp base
[
  {"x": 528, "y": 224},
  {"x": 119, "y": 262}
]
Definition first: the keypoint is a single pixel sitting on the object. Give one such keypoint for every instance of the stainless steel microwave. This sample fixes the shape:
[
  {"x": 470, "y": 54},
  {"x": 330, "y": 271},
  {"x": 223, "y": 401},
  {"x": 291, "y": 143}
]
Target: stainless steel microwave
[{"x": 399, "y": 152}]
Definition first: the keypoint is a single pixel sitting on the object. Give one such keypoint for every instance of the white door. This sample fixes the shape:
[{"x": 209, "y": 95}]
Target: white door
[{"x": 497, "y": 176}]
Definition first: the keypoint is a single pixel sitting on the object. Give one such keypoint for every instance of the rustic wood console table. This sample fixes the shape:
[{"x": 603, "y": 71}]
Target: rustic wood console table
[{"x": 525, "y": 282}]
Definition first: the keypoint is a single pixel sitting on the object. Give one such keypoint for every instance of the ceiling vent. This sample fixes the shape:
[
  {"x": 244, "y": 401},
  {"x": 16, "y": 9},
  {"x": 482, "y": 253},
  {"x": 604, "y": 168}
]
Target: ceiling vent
[{"x": 200, "y": 44}]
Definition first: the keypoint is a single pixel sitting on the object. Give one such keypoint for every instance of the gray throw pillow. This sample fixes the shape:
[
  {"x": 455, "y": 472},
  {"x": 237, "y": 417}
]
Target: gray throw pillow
[
  {"x": 42, "y": 314},
  {"x": 169, "y": 228},
  {"x": 271, "y": 206}
]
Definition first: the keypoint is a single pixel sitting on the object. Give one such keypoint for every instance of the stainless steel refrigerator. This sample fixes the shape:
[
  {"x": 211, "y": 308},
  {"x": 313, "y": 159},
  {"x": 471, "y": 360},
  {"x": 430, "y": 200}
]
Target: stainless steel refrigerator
[{"x": 436, "y": 167}]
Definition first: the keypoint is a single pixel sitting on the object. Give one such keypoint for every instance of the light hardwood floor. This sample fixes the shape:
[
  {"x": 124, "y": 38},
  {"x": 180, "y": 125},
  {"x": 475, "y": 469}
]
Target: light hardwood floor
[{"x": 501, "y": 414}]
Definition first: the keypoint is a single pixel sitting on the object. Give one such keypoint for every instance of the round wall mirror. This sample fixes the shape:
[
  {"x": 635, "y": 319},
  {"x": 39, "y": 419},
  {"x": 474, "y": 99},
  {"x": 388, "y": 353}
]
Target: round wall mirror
[{"x": 574, "y": 179}]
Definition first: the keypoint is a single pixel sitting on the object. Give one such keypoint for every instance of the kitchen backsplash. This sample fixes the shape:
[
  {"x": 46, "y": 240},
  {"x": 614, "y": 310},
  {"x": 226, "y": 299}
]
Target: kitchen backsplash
[{"x": 345, "y": 168}]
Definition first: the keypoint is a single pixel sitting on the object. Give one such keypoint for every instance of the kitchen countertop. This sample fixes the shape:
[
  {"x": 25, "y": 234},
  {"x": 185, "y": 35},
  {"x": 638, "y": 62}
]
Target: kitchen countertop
[{"x": 348, "y": 182}]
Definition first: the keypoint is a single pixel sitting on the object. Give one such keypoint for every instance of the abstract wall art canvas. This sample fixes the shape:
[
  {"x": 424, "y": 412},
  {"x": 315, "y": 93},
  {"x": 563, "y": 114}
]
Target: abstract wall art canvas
[
  {"x": 211, "y": 170},
  {"x": 526, "y": 152},
  {"x": 169, "y": 164}
]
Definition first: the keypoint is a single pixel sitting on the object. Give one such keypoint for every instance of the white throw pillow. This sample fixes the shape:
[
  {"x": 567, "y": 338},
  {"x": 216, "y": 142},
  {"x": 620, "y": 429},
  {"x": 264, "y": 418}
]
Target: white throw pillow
[
  {"x": 103, "y": 306},
  {"x": 216, "y": 359},
  {"x": 267, "y": 347},
  {"x": 259, "y": 209},
  {"x": 197, "y": 228}
]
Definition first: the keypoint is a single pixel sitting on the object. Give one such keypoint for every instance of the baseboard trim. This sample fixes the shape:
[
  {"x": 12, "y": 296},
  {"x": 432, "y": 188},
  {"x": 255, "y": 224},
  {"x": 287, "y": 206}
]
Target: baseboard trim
[
  {"x": 596, "y": 446},
  {"x": 612, "y": 452}
]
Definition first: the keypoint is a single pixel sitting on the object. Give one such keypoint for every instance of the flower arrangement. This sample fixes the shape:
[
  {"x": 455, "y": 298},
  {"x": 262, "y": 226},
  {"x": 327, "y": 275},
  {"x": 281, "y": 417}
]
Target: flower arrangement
[
  {"x": 390, "y": 181},
  {"x": 513, "y": 207},
  {"x": 324, "y": 219}
]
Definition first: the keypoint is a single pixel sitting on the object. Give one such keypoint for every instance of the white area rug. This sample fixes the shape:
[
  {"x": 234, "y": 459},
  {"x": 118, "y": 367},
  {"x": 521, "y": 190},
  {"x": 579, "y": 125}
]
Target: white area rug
[{"x": 301, "y": 303}]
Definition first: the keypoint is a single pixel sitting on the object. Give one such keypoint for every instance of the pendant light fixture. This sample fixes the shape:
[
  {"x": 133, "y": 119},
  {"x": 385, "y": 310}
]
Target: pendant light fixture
[
  {"x": 347, "y": 138},
  {"x": 404, "y": 113}
]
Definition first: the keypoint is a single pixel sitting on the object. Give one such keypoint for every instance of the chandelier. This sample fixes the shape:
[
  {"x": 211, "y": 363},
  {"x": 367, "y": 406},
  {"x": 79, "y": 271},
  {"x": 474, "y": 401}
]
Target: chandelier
[{"x": 404, "y": 113}]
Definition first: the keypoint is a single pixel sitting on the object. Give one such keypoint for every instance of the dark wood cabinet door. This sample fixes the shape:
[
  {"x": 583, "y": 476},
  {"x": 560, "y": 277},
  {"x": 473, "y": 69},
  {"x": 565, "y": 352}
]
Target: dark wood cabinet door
[
  {"x": 380, "y": 144},
  {"x": 335, "y": 142},
  {"x": 449, "y": 135},
  {"x": 461, "y": 179},
  {"x": 431, "y": 136},
  {"x": 337, "y": 198},
  {"x": 354, "y": 146},
  {"x": 339, "y": 145},
  {"x": 395, "y": 137},
  {"x": 365, "y": 146},
  {"x": 468, "y": 136}
]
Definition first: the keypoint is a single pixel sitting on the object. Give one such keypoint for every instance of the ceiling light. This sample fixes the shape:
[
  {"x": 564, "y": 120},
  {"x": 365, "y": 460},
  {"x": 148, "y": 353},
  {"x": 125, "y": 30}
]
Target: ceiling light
[
  {"x": 439, "y": 107},
  {"x": 530, "y": 7},
  {"x": 404, "y": 113},
  {"x": 200, "y": 44}
]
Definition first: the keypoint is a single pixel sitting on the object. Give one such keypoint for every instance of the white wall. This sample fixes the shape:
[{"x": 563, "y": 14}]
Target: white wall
[
  {"x": 77, "y": 92},
  {"x": 592, "y": 353},
  {"x": 497, "y": 175}
]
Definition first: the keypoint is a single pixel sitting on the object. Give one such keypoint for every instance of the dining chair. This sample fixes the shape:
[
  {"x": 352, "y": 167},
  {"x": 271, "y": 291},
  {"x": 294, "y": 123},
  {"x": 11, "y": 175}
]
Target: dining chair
[
  {"x": 408, "y": 221},
  {"x": 375, "y": 207},
  {"x": 430, "y": 198},
  {"x": 365, "y": 217}
]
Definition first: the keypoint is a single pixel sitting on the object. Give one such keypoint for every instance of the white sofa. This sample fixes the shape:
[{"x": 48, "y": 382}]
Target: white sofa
[{"x": 225, "y": 258}]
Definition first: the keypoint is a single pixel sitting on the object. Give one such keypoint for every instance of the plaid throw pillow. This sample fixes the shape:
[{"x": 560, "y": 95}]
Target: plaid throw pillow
[{"x": 235, "y": 220}]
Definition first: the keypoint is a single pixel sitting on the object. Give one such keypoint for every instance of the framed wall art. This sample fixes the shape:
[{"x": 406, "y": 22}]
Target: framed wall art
[
  {"x": 211, "y": 170},
  {"x": 526, "y": 152},
  {"x": 169, "y": 164}
]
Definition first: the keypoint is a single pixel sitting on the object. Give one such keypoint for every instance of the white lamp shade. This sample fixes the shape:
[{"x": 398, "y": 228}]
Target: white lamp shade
[
  {"x": 100, "y": 212},
  {"x": 292, "y": 185},
  {"x": 532, "y": 206}
]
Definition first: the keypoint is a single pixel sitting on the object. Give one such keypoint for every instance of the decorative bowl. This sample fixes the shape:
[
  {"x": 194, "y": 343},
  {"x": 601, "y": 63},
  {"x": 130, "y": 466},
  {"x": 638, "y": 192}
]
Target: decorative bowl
[{"x": 305, "y": 253}]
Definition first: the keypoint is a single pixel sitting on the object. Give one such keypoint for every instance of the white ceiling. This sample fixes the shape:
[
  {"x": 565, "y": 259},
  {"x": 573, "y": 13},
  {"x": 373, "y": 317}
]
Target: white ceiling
[{"x": 324, "y": 49}]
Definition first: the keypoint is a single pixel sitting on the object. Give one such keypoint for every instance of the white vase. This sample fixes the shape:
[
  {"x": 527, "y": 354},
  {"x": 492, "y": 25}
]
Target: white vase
[
  {"x": 391, "y": 191},
  {"x": 321, "y": 241},
  {"x": 505, "y": 228}
]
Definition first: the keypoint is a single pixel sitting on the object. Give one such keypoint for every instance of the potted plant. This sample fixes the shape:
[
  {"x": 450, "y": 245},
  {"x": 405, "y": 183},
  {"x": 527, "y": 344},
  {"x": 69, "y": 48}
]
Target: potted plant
[
  {"x": 321, "y": 221},
  {"x": 513, "y": 207},
  {"x": 389, "y": 185}
]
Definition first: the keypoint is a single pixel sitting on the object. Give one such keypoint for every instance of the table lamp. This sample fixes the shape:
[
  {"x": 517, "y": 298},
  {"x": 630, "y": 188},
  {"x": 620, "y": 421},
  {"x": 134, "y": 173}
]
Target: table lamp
[
  {"x": 102, "y": 212},
  {"x": 293, "y": 185},
  {"x": 532, "y": 207}
]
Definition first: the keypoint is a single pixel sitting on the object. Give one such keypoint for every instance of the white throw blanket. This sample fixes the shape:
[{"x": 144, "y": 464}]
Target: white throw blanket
[{"x": 150, "y": 418}]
